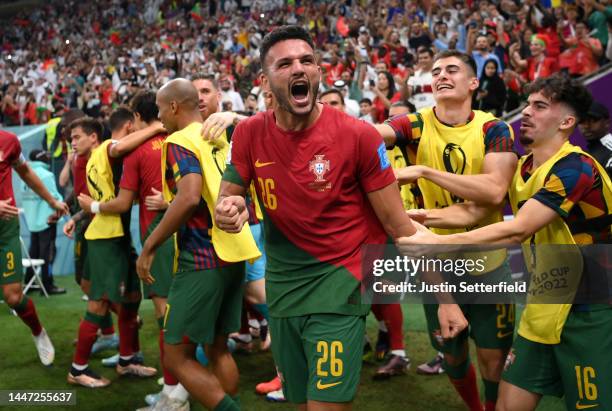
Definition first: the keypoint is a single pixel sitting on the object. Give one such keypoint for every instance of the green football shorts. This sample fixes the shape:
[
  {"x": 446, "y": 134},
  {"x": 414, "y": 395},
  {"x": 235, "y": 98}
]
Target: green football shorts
[{"x": 318, "y": 356}]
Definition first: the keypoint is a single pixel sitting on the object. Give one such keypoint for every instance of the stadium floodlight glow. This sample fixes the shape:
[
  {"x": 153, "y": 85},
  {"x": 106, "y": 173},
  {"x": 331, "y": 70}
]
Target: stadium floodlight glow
[{"x": 67, "y": 41}]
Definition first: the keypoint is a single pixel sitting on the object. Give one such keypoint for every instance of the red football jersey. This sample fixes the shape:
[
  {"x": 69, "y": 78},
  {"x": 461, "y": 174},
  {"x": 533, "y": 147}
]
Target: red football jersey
[
  {"x": 142, "y": 173},
  {"x": 79, "y": 175},
  {"x": 10, "y": 152},
  {"x": 313, "y": 187}
]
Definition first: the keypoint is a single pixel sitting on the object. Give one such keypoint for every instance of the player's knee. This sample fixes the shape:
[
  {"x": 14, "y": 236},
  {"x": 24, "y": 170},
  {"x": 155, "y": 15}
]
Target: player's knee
[{"x": 12, "y": 297}]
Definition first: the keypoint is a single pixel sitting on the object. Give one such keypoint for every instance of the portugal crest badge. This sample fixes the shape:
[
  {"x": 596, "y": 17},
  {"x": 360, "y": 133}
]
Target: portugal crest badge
[{"x": 319, "y": 166}]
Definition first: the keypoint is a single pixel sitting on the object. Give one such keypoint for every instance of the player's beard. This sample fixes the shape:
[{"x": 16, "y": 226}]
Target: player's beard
[
  {"x": 525, "y": 141},
  {"x": 283, "y": 98}
]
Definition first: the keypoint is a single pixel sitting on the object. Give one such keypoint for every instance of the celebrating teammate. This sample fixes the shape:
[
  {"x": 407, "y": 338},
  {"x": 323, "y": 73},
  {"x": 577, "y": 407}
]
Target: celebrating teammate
[
  {"x": 205, "y": 298},
  {"x": 459, "y": 155},
  {"x": 327, "y": 188},
  {"x": 559, "y": 195},
  {"x": 10, "y": 246}
]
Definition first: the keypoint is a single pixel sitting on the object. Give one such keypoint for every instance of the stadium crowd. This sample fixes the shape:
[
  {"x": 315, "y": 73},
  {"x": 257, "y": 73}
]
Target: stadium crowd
[{"x": 94, "y": 56}]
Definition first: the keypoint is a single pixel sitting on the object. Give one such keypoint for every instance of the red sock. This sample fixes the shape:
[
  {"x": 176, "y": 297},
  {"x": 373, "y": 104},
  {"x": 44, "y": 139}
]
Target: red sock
[
  {"x": 377, "y": 311},
  {"x": 136, "y": 341},
  {"x": 489, "y": 405},
  {"x": 394, "y": 320},
  {"x": 128, "y": 329},
  {"x": 468, "y": 389},
  {"x": 27, "y": 312},
  {"x": 169, "y": 378},
  {"x": 108, "y": 330},
  {"x": 88, "y": 333}
]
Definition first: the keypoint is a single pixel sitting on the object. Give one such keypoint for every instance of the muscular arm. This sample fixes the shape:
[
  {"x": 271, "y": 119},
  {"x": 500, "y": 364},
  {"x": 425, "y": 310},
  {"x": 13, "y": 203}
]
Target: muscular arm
[
  {"x": 31, "y": 179},
  {"x": 387, "y": 133},
  {"x": 531, "y": 217},
  {"x": 181, "y": 208},
  {"x": 460, "y": 215},
  {"x": 489, "y": 187},
  {"x": 387, "y": 205},
  {"x": 64, "y": 176},
  {"x": 120, "y": 204},
  {"x": 133, "y": 140}
]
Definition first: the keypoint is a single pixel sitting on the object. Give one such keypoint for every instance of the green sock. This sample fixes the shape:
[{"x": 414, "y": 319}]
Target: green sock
[
  {"x": 490, "y": 389},
  {"x": 107, "y": 321},
  {"x": 227, "y": 404},
  {"x": 94, "y": 318},
  {"x": 236, "y": 399}
]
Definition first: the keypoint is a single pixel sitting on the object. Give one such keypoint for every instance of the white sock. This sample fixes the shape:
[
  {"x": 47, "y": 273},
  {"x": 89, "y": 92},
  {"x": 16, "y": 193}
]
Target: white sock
[
  {"x": 382, "y": 326},
  {"x": 126, "y": 357},
  {"x": 179, "y": 393},
  {"x": 245, "y": 338},
  {"x": 79, "y": 367},
  {"x": 168, "y": 389},
  {"x": 441, "y": 354},
  {"x": 399, "y": 353}
]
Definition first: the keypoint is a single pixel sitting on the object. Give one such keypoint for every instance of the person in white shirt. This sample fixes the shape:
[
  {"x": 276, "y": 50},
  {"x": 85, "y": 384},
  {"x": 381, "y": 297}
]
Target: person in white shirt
[{"x": 419, "y": 84}]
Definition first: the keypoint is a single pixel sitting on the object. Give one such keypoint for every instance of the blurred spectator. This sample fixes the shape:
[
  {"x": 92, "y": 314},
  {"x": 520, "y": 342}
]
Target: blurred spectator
[
  {"x": 230, "y": 95},
  {"x": 538, "y": 65},
  {"x": 334, "y": 98},
  {"x": 36, "y": 211},
  {"x": 491, "y": 93},
  {"x": 481, "y": 51},
  {"x": 351, "y": 106},
  {"x": 419, "y": 89},
  {"x": 386, "y": 94},
  {"x": 595, "y": 127},
  {"x": 582, "y": 56},
  {"x": 365, "y": 110}
]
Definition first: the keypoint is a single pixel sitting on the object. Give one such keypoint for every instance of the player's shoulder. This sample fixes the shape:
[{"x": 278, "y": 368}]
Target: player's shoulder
[
  {"x": 256, "y": 122},
  {"x": 7, "y": 138}
]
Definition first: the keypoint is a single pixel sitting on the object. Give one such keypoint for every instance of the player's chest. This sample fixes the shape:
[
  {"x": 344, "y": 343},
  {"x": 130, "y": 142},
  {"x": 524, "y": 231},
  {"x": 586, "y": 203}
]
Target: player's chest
[{"x": 303, "y": 173}]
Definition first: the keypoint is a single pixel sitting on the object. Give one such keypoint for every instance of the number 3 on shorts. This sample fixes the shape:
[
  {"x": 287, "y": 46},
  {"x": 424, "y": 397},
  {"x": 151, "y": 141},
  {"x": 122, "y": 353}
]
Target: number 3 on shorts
[{"x": 329, "y": 353}]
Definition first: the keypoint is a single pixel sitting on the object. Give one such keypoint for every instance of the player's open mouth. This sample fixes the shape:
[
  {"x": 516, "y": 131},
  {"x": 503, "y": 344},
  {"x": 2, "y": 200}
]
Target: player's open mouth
[
  {"x": 299, "y": 92},
  {"x": 444, "y": 87}
]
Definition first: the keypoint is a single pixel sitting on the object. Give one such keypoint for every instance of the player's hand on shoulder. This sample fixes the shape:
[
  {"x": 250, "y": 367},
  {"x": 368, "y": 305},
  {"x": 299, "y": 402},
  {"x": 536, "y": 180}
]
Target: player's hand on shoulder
[
  {"x": 231, "y": 214},
  {"x": 216, "y": 124}
]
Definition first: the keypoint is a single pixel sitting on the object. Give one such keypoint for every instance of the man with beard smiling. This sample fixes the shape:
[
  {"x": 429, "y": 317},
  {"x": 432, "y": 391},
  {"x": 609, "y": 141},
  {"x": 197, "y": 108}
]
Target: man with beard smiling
[
  {"x": 559, "y": 195},
  {"x": 327, "y": 188}
]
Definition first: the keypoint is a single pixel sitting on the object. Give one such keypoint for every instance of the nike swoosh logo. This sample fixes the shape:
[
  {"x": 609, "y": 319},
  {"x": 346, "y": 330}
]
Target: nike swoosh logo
[
  {"x": 504, "y": 335},
  {"x": 322, "y": 386},
  {"x": 260, "y": 164},
  {"x": 8, "y": 274},
  {"x": 584, "y": 407}
]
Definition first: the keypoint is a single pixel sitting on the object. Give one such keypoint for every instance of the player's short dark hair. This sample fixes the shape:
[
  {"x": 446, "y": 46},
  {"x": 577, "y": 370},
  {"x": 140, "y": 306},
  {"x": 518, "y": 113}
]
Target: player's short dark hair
[
  {"x": 119, "y": 117},
  {"x": 281, "y": 34},
  {"x": 561, "y": 89},
  {"x": 143, "y": 103},
  {"x": 89, "y": 126},
  {"x": 332, "y": 91},
  {"x": 206, "y": 76},
  {"x": 464, "y": 57}
]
